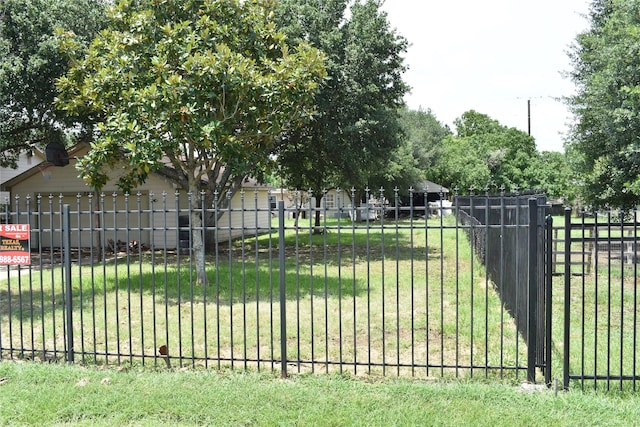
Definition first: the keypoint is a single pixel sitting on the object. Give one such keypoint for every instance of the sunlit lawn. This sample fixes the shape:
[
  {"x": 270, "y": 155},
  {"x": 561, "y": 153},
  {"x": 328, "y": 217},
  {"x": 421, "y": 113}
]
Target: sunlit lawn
[
  {"x": 400, "y": 299},
  {"x": 360, "y": 300},
  {"x": 604, "y": 314}
]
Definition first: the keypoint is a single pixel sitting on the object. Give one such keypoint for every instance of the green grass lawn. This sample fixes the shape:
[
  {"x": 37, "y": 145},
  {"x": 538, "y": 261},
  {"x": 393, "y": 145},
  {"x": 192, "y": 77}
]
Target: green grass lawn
[
  {"x": 604, "y": 315},
  {"x": 55, "y": 394},
  {"x": 364, "y": 302},
  {"x": 357, "y": 299}
]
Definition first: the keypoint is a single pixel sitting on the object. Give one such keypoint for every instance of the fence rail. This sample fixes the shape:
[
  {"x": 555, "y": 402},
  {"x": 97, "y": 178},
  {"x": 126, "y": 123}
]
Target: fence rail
[
  {"x": 601, "y": 347},
  {"x": 390, "y": 287},
  {"x": 398, "y": 292}
]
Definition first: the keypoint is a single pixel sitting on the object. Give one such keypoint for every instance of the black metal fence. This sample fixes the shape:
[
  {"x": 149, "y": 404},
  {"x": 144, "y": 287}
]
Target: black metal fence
[
  {"x": 499, "y": 230},
  {"x": 373, "y": 288},
  {"x": 379, "y": 287},
  {"x": 599, "y": 254}
]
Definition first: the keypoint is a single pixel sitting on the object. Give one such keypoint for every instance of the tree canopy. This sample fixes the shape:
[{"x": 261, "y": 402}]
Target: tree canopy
[
  {"x": 31, "y": 62},
  {"x": 203, "y": 86},
  {"x": 419, "y": 152},
  {"x": 355, "y": 128},
  {"x": 553, "y": 173},
  {"x": 485, "y": 154},
  {"x": 606, "y": 106}
]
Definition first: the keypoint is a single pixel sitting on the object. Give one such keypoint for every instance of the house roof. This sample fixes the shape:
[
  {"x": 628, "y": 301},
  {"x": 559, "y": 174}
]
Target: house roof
[
  {"x": 430, "y": 187},
  {"x": 26, "y": 162},
  {"x": 41, "y": 163},
  {"x": 38, "y": 166}
]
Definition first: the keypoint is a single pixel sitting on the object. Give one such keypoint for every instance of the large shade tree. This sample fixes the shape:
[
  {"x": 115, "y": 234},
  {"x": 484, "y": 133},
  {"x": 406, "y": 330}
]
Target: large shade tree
[
  {"x": 606, "y": 106},
  {"x": 486, "y": 154},
  {"x": 30, "y": 62},
  {"x": 552, "y": 173},
  {"x": 418, "y": 154},
  {"x": 355, "y": 128},
  {"x": 201, "y": 85}
]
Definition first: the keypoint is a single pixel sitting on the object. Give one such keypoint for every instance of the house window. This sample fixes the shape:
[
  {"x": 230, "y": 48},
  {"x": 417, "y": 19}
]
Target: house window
[
  {"x": 330, "y": 201},
  {"x": 272, "y": 202}
]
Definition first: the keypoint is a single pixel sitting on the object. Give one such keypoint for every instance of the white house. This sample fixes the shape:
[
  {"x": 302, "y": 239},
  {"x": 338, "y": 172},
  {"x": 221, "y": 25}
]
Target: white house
[{"x": 152, "y": 214}]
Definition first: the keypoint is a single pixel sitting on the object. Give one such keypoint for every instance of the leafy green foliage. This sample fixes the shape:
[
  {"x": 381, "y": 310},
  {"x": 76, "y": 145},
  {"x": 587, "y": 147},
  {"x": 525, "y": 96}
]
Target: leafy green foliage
[
  {"x": 356, "y": 125},
  {"x": 606, "y": 71},
  {"x": 552, "y": 172},
  {"x": 204, "y": 85},
  {"x": 30, "y": 64},
  {"x": 418, "y": 154},
  {"x": 486, "y": 155}
]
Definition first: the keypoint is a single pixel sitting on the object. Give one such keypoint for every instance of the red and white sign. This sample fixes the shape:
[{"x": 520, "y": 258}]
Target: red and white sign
[{"x": 15, "y": 248}]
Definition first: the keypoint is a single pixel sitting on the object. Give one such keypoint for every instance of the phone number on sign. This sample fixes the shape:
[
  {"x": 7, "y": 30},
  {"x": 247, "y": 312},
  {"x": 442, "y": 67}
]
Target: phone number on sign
[{"x": 14, "y": 259}]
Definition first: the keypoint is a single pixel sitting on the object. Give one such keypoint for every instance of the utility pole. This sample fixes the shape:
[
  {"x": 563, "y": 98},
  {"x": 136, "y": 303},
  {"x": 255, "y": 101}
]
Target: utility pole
[{"x": 529, "y": 116}]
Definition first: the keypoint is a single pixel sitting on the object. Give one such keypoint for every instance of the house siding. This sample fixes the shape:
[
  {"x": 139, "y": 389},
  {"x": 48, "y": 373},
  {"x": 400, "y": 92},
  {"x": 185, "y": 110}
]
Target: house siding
[
  {"x": 24, "y": 163},
  {"x": 150, "y": 215}
]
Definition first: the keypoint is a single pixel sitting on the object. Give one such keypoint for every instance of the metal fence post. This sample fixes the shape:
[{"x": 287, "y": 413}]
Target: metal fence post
[
  {"x": 66, "y": 242},
  {"x": 548, "y": 300},
  {"x": 283, "y": 291},
  {"x": 533, "y": 291},
  {"x": 567, "y": 296}
]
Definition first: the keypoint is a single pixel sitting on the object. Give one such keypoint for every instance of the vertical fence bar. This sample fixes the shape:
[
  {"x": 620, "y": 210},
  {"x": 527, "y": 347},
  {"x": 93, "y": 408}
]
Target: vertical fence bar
[
  {"x": 567, "y": 296},
  {"x": 368, "y": 251},
  {"x": 80, "y": 293},
  {"x": 487, "y": 284},
  {"x": 30, "y": 278},
  {"x": 127, "y": 234},
  {"x": 338, "y": 208},
  {"x": 229, "y": 212},
  {"x": 354, "y": 218},
  {"x": 326, "y": 275},
  {"x": 283, "y": 292},
  {"x": 501, "y": 273},
  {"x": 596, "y": 303},
  {"x": 66, "y": 237},
  {"x": 20, "y": 303},
  {"x": 609, "y": 290},
  {"x": 92, "y": 240},
  {"x": 622, "y": 267},
  {"x": 457, "y": 262},
  {"x": 411, "y": 245},
  {"x": 40, "y": 265},
  {"x": 548, "y": 299},
  {"x": 516, "y": 273},
  {"x": 594, "y": 234},
  {"x": 216, "y": 247},
  {"x": 103, "y": 259},
  {"x": 533, "y": 290},
  {"x": 635, "y": 296},
  {"x": 257, "y": 268},
  {"x": 298, "y": 295},
  {"x": 472, "y": 241},
  {"x": 382, "y": 285},
  {"x": 397, "y": 268},
  {"x": 309, "y": 213}
]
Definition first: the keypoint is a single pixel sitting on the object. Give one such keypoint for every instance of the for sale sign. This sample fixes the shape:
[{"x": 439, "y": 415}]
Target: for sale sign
[{"x": 15, "y": 248}]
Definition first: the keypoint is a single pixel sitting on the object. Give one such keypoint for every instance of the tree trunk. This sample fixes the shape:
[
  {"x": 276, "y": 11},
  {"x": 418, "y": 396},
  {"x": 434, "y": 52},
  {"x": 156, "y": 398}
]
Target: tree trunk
[
  {"x": 317, "y": 220},
  {"x": 198, "y": 248},
  {"x": 98, "y": 226},
  {"x": 197, "y": 243}
]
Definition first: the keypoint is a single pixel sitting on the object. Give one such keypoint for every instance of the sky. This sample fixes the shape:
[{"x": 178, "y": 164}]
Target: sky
[{"x": 492, "y": 56}]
